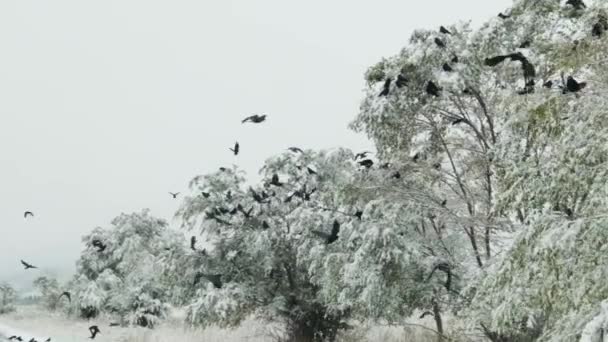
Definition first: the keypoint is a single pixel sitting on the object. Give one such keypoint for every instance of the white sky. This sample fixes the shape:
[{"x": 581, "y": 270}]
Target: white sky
[{"x": 105, "y": 106}]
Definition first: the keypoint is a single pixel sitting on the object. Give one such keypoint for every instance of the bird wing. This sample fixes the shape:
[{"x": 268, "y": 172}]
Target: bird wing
[{"x": 247, "y": 119}]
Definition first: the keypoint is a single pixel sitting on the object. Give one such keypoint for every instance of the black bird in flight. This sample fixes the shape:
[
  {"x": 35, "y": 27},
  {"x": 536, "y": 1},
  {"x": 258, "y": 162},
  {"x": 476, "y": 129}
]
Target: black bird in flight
[
  {"x": 573, "y": 86},
  {"x": 255, "y": 118},
  {"x": 444, "y": 30},
  {"x": 333, "y": 236},
  {"x": 433, "y": 89},
  {"x": 525, "y": 44},
  {"x": 235, "y": 149},
  {"x": 577, "y": 4},
  {"x": 367, "y": 163},
  {"x": 18, "y": 338},
  {"x": 94, "y": 330},
  {"x": 447, "y": 68},
  {"x": 27, "y": 266},
  {"x": 439, "y": 43},
  {"x": 28, "y": 213},
  {"x": 295, "y": 150},
  {"x": 457, "y": 121},
  {"x": 247, "y": 214},
  {"x": 193, "y": 243},
  {"x": 223, "y": 169},
  {"x": 67, "y": 295},
  {"x": 311, "y": 171},
  {"x": 401, "y": 81},
  {"x": 174, "y": 194},
  {"x": 504, "y": 16},
  {"x": 386, "y": 88},
  {"x": 99, "y": 245},
  {"x": 275, "y": 180}
]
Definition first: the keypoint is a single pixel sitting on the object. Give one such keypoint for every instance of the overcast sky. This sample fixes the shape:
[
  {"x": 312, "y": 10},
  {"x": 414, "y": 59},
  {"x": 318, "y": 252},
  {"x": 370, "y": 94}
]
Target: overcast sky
[{"x": 105, "y": 106}]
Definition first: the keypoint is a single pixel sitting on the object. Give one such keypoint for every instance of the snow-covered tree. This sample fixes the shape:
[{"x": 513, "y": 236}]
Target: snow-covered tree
[
  {"x": 264, "y": 243},
  {"x": 8, "y": 296},
  {"x": 119, "y": 270},
  {"x": 50, "y": 292}
]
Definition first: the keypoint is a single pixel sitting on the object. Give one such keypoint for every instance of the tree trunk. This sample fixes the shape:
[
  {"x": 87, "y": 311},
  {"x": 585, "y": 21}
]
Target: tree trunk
[{"x": 438, "y": 321}]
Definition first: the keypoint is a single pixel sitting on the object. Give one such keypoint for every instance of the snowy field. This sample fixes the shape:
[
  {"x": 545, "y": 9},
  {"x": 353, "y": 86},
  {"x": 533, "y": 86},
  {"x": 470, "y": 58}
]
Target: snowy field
[{"x": 30, "y": 322}]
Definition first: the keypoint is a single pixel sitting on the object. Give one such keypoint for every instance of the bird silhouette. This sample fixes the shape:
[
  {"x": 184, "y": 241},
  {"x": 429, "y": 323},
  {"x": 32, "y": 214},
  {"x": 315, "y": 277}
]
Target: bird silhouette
[
  {"x": 28, "y": 213},
  {"x": 257, "y": 197},
  {"x": 367, "y": 163},
  {"x": 597, "y": 30},
  {"x": 439, "y": 43},
  {"x": 504, "y": 16},
  {"x": 14, "y": 337},
  {"x": 67, "y": 295},
  {"x": 193, "y": 243},
  {"x": 359, "y": 214},
  {"x": 295, "y": 150},
  {"x": 444, "y": 202},
  {"x": 205, "y": 194},
  {"x": 235, "y": 149},
  {"x": 573, "y": 86},
  {"x": 27, "y": 266},
  {"x": 577, "y": 4},
  {"x": 444, "y": 30},
  {"x": 94, "y": 330},
  {"x": 99, "y": 245},
  {"x": 247, "y": 214},
  {"x": 548, "y": 84},
  {"x": 447, "y": 68},
  {"x": 275, "y": 180},
  {"x": 48, "y": 340},
  {"x": 174, "y": 194},
  {"x": 386, "y": 88},
  {"x": 265, "y": 225},
  {"x": 255, "y": 118},
  {"x": 333, "y": 236},
  {"x": 311, "y": 171},
  {"x": 433, "y": 89},
  {"x": 223, "y": 169},
  {"x": 454, "y": 59},
  {"x": 401, "y": 81},
  {"x": 457, "y": 121}
]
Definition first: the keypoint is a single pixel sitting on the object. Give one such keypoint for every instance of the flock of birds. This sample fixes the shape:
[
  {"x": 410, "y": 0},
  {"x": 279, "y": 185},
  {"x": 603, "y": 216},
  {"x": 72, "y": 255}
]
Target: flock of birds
[{"x": 529, "y": 73}]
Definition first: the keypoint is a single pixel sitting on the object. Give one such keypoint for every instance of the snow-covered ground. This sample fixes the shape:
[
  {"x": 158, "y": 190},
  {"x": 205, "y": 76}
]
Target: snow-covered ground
[{"x": 31, "y": 322}]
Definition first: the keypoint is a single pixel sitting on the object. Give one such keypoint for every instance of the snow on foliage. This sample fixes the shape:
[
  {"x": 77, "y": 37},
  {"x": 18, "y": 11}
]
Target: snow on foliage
[{"x": 124, "y": 277}]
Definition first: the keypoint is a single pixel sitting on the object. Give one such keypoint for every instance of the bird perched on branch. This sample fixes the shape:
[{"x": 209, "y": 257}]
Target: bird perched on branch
[
  {"x": 433, "y": 89},
  {"x": 401, "y": 81},
  {"x": 439, "y": 43},
  {"x": 444, "y": 30},
  {"x": 386, "y": 87},
  {"x": 99, "y": 245}
]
